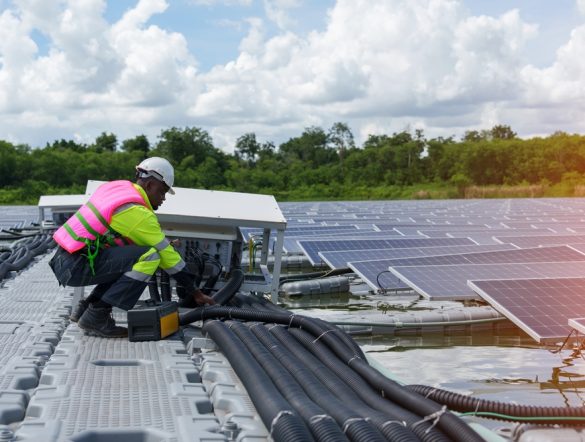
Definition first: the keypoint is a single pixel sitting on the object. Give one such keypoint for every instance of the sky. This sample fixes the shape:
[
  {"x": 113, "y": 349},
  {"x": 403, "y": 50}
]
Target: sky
[{"x": 72, "y": 69}]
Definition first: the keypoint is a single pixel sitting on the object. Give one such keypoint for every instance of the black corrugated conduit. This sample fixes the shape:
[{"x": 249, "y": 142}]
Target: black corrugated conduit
[
  {"x": 314, "y": 326},
  {"x": 22, "y": 252},
  {"x": 322, "y": 425},
  {"x": 344, "y": 408},
  {"x": 224, "y": 294},
  {"x": 276, "y": 413},
  {"x": 347, "y": 384},
  {"x": 451, "y": 425},
  {"x": 501, "y": 410}
]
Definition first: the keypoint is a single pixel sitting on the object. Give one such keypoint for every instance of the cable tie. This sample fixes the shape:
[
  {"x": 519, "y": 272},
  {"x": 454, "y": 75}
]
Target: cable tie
[
  {"x": 321, "y": 335},
  {"x": 351, "y": 360},
  {"x": 291, "y": 320},
  {"x": 351, "y": 421},
  {"x": 430, "y": 393},
  {"x": 435, "y": 417},
  {"x": 272, "y": 326},
  {"x": 477, "y": 407},
  {"x": 319, "y": 417},
  {"x": 403, "y": 423},
  {"x": 278, "y": 416}
]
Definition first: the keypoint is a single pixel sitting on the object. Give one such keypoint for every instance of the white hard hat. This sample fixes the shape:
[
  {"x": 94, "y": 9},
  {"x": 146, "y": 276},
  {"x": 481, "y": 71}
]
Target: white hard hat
[{"x": 160, "y": 169}]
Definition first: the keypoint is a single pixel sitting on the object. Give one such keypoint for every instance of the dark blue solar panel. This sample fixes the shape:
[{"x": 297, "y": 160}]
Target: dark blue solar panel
[
  {"x": 341, "y": 258},
  {"x": 370, "y": 271},
  {"x": 536, "y": 241},
  {"x": 450, "y": 281},
  {"x": 312, "y": 248},
  {"x": 540, "y": 307},
  {"x": 291, "y": 243}
]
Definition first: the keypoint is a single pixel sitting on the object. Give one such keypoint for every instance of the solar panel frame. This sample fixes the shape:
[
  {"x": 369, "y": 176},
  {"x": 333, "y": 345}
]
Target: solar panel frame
[
  {"x": 337, "y": 259},
  {"x": 291, "y": 244},
  {"x": 542, "y": 307},
  {"x": 578, "y": 324},
  {"x": 311, "y": 248},
  {"x": 368, "y": 269},
  {"x": 446, "y": 282},
  {"x": 541, "y": 240}
]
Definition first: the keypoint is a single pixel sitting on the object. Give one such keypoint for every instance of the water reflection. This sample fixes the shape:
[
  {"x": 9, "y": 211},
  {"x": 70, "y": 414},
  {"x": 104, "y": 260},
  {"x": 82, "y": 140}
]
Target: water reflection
[{"x": 493, "y": 361}]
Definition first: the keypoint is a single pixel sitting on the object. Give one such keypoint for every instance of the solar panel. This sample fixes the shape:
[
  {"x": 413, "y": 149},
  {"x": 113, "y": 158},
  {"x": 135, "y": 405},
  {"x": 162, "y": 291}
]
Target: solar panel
[
  {"x": 578, "y": 324},
  {"x": 339, "y": 259},
  {"x": 536, "y": 241},
  {"x": 291, "y": 244},
  {"x": 312, "y": 248},
  {"x": 371, "y": 271},
  {"x": 449, "y": 282},
  {"x": 540, "y": 307}
]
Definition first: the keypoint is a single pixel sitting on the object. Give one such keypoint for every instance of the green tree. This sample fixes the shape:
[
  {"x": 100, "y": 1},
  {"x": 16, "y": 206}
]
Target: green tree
[
  {"x": 137, "y": 144},
  {"x": 311, "y": 147},
  {"x": 66, "y": 144},
  {"x": 502, "y": 132},
  {"x": 8, "y": 164},
  {"x": 247, "y": 148},
  {"x": 106, "y": 142},
  {"x": 176, "y": 144}
]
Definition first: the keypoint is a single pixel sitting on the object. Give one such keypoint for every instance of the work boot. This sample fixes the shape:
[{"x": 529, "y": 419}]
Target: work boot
[
  {"x": 79, "y": 310},
  {"x": 98, "y": 321}
]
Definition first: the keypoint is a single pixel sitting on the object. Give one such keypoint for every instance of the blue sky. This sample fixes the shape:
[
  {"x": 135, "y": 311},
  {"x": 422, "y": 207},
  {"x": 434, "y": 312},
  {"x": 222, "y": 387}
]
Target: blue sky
[{"x": 72, "y": 69}]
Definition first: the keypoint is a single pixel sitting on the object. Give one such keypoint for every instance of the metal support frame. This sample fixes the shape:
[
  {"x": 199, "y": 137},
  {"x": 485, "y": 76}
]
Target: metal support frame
[{"x": 277, "y": 264}]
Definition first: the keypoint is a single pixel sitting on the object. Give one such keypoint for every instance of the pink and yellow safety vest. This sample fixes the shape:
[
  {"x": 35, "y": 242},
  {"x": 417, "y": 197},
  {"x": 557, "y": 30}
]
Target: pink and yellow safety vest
[{"x": 92, "y": 220}]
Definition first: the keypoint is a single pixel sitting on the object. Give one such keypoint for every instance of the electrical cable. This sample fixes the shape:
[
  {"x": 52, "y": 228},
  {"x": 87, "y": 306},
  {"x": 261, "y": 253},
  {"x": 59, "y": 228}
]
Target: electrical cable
[
  {"x": 501, "y": 410},
  {"x": 315, "y": 275},
  {"x": 420, "y": 324},
  {"x": 276, "y": 412}
]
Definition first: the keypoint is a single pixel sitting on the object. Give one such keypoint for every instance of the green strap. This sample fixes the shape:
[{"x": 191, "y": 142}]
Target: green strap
[
  {"x": 73, "y": 234},
  {"x": 83, "y": 221},
  {"x": 102, "y": 220},
  {"x": 98, "y": 215},
  {"x": 92, "y": 255},
  {"x": 88, "y": 242}
]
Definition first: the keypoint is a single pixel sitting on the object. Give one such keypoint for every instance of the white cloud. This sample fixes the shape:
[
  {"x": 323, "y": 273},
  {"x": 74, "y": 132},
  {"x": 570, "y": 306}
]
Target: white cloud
[
  {"x": 277, "y": 11},
  {"x": 377, "y": 65},
  {"x": 581, "y": 6},
  {"x": 220, "y": 2}
]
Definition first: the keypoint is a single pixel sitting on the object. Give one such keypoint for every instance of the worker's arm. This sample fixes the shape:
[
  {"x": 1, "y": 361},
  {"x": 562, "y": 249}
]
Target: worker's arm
[{"x": 140, "y": 225}]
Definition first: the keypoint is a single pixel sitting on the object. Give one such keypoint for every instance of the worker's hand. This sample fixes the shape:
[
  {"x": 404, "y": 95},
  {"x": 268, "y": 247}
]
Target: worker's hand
[
  {"x": 202, "y": 299},
  {"x": 195, "y": 298},
  {"x": 176, "y": 243}
]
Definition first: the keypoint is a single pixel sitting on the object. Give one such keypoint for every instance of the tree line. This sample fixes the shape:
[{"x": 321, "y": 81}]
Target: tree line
[{"x": 316, "y": 165}]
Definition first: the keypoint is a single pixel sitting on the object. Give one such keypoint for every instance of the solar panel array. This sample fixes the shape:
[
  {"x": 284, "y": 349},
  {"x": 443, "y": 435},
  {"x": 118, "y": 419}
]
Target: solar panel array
[
  {"x": 311, "y": 248},
  {"x": 533, "y": 235},
  {"x": 449, "y": 282},
  {"x": 338, "y": 259},
  {"x": 370, "y": 270}
]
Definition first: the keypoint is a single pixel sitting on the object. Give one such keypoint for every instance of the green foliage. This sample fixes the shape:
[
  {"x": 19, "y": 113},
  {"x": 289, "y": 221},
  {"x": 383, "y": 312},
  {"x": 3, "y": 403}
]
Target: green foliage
[
  {"x": 316, "y": 165},
  {"x": 137, "y": 144},
  {"x": 106, "y": 143}
]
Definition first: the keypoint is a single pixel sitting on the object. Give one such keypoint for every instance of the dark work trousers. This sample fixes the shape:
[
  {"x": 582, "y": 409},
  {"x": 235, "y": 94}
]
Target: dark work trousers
[{"x": 111, "y": 264}]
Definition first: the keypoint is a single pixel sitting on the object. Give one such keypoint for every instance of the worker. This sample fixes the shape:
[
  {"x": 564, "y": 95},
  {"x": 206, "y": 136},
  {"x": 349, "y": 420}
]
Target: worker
[{"x": 115, "y": 242}]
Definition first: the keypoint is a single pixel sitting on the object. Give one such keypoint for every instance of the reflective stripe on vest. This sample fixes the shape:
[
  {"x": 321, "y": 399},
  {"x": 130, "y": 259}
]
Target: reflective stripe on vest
[{"x": 92, "y": 219}]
